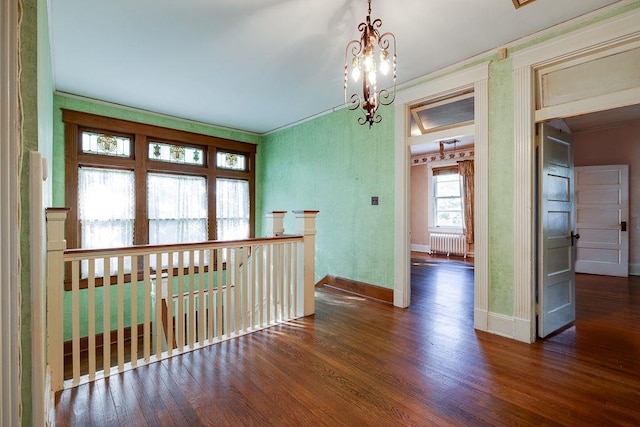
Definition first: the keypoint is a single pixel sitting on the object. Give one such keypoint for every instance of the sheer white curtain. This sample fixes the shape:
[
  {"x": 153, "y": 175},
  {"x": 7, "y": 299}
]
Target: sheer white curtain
[
  {"x": 177, "y": 210},
  {"x": 106, "y": 210},
  {"x": 232, "y": 209}
]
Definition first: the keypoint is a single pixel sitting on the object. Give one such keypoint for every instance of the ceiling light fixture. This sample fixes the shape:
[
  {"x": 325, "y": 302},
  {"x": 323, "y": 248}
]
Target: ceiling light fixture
[
  {"x": 448, "y": 142},
  {"x": 372, "y": 58}
]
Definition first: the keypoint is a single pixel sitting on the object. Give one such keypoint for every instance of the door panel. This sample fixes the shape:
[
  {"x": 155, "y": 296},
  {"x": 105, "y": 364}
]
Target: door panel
[
  {"x": 602, "y": 206},
  {"x": 556, "y": 278}
]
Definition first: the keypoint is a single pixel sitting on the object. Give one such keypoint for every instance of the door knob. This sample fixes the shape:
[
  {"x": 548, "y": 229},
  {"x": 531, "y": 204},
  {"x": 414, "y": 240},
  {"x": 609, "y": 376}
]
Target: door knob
[{"x": 574, "y": 237}]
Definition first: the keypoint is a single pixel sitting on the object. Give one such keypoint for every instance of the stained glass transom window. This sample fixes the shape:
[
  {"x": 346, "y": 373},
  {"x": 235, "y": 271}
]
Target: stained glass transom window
[
  {"x": 176, "y": 153},
  {"x": 233, "y": 161},
  {"x": 107, "y": 145}
]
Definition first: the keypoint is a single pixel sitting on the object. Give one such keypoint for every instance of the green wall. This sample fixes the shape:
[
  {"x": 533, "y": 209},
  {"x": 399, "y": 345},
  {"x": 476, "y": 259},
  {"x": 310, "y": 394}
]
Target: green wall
[
  {"x": 501, "y": 188},
  {"x": 334, "y": 165}
]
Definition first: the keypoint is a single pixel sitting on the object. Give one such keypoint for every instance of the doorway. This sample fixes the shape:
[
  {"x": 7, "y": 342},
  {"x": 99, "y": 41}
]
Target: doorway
[
  {"x": 605, "y": 146},
  {"x": 473, "y": 79},
  {"x": 605, "y": 142},
  {"x": 590, "y": 58}
]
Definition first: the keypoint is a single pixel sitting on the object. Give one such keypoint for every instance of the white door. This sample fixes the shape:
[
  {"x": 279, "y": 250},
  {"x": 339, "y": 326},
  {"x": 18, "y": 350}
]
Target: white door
[
  {"x": 556, "y": 250},
  {"x": 602, "y": 215}
]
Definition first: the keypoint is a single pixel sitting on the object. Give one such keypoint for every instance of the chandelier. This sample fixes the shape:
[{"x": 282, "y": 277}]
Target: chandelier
[{"x": 372, "y": 58}]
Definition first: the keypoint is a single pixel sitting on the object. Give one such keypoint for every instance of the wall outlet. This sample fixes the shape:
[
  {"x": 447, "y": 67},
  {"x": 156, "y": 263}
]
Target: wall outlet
[{"x": 374, "y": 200}]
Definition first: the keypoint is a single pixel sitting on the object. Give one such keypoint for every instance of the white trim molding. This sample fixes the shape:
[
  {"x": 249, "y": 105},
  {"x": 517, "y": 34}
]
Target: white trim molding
[
  {"x": 481, "y": 198},
  {"x": 402, "y": 213},
  {"x": 475, "y": 78},
  {"x": 420, "y": 248},
  {"x": 601, "y": 38},
  {"x": 500, "y": 324},
  {"x": 40, "y": 394},
  {"x": 10, "y": 278}
]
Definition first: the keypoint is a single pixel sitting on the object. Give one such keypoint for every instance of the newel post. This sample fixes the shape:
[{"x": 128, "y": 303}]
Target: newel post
[
  {"x": 274, "y": 223},
  {"x": 306, "y": 226},
  {"x": 56, "y": 244}
]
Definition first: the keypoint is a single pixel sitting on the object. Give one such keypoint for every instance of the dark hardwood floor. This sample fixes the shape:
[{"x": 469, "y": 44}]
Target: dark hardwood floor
[{"x": 359, "y": 362}]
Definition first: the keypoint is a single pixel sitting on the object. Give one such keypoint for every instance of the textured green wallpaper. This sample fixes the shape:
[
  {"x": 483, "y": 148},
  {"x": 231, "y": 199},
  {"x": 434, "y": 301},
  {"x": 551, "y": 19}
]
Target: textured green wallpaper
[
  {"x": 334, "y": 165},
  {"x": 501, "y": 187}
]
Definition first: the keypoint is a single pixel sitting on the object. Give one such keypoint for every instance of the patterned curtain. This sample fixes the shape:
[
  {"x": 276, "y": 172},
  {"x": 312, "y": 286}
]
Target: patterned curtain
[{"x": 465, "y": 169}]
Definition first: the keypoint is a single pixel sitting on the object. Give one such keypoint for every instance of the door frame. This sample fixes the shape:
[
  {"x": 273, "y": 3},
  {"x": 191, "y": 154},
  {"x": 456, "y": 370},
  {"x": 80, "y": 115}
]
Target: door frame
[
  {"x": 475, "y": 78},
  {"x": 10, "y": 275},
  {"x": 618, "y": 33}
]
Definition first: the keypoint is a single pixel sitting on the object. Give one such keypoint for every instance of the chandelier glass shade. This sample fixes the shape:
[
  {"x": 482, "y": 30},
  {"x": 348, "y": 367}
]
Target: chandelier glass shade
[{"x": 372, "y": 59}]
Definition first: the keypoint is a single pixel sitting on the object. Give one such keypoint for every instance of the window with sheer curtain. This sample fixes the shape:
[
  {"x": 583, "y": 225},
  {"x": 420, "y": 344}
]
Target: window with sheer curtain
[
  {"x": 106, "y": 211},
  {"x": 177, "y": 208},
  {"x": 177, "y": 211},
  {"x": 232, "y": 209},
  {"x": 129, "y": 184}
]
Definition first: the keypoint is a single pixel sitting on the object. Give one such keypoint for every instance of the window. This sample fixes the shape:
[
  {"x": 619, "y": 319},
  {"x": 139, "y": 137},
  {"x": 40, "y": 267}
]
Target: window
[
  {"x": 177, "y": 208},
  {"x": 130, "y": 183},
  {"x": 232, "y": 213},
  {"x": 447, "y": 195},
  {"x": 106, "y": 212},
  {"x": 441, "y": 114}
]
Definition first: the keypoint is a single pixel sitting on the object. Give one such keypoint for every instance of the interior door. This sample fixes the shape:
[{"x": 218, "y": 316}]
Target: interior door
[
  {"x": 556, "y": 250},
  {"x": 602, "y": 215}
]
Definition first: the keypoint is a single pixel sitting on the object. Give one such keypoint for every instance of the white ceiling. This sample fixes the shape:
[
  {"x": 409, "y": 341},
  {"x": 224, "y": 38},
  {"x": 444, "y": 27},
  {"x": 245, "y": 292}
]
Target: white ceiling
[{"x": 258, "y": 65}]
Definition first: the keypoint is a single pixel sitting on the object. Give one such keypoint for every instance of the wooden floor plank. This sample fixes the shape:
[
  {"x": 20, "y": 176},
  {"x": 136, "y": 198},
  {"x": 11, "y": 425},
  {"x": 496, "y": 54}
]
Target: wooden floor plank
[{"x": 361, "y": 362}]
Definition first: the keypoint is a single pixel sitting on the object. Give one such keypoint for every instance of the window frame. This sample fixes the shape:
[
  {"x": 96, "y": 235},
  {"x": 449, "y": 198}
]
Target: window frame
[
  {"x": 432, "y": 199},
  {"x": 140, "y": 134}
]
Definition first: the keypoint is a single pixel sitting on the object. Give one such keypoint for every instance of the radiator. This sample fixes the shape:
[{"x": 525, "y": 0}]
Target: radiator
[{"x": 447, "y": 243}]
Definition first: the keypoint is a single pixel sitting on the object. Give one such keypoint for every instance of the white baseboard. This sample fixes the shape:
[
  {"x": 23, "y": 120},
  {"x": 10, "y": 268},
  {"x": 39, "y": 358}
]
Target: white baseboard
[
  {"x": 480, "y": 321},
  {"x": 399, "y": 298},
  {"x": 500, "y": 324},
  {"x": 634, "y": 269},
  {"x": 421, "y": 248},
  {"x": 523, "y": 330}
]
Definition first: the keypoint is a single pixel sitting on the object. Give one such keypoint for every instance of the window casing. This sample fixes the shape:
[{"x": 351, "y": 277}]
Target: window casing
[{"x": 160, "y": 161}]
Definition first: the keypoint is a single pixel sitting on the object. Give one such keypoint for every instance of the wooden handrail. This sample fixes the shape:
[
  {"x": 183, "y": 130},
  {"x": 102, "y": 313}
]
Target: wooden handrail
[{"x": 83, "y": 254}]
